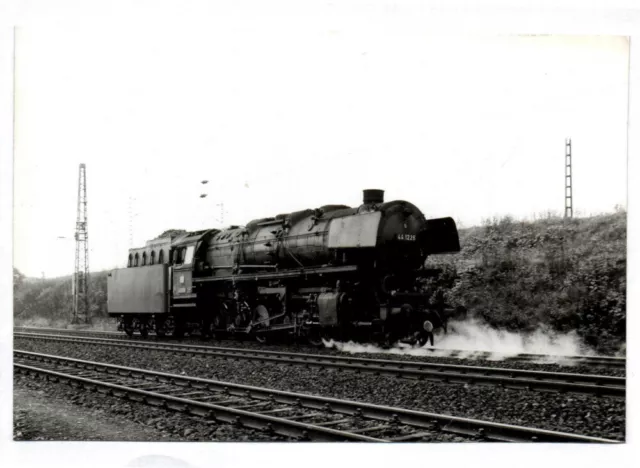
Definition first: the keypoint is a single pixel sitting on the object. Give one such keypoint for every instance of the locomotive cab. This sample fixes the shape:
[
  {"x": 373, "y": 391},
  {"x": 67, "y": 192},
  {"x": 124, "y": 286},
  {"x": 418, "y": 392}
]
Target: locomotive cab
[{"x": 188, "y": 259}]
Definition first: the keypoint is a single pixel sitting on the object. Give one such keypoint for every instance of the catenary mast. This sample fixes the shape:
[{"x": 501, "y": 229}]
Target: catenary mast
[
  {"x": 568, "y": 180},
  {"x": 81, "y": 274}
]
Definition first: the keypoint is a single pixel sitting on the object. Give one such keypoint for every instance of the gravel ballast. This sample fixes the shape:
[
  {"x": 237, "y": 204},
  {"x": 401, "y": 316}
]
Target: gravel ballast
[
  {"x": 581, "y": 414},
  {"x": 395, "y": 354},
  {"x": 55, "y": 411}
]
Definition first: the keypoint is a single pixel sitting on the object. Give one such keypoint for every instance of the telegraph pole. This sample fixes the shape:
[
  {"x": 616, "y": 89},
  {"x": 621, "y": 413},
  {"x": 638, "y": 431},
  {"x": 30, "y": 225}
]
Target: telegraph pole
[
  {"x": 568, "y": 184},
  {"x": 81, "y": 273}
]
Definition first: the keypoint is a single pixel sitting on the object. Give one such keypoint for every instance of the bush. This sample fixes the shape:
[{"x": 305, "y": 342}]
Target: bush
[
  {"x": 569, "y": 275},
  {"x": 51, "y": 299}
]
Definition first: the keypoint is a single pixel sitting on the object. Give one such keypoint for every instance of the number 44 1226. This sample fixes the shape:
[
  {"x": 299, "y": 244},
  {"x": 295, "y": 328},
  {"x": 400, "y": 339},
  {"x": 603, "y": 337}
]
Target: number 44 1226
[{"x": 407, "y": 237}]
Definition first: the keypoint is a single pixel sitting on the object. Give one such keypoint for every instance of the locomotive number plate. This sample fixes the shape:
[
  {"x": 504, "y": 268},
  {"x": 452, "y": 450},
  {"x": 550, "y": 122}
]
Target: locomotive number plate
[{"x": 407, "y": 237}]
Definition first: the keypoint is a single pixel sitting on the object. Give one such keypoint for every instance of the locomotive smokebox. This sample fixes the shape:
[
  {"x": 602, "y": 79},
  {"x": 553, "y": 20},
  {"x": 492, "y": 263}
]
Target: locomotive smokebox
[{"x": 372, "y": 196}]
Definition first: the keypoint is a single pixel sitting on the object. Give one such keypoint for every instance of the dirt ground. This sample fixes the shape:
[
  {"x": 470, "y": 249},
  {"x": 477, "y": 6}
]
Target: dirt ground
[{"x": 40, "y": 416}]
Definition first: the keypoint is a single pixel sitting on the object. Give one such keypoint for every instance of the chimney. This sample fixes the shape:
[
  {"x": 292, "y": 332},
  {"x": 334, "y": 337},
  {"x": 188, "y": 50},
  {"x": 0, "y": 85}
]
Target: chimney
[{"x": 372, "y": 196}]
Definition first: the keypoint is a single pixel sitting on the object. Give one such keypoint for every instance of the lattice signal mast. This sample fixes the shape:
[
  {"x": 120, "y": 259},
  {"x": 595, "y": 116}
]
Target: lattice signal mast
[
  {"x": 568, "y": 177},
  {"x": 81, "y": 274}
]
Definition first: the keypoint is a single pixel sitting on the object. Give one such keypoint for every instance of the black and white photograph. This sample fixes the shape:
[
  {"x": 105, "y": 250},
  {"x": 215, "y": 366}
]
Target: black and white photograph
[{"x": 317, "y": 224}]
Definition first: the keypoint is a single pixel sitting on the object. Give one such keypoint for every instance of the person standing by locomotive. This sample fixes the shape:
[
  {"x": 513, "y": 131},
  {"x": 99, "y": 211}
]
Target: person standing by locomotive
[
  {"x": 430, "y": 320},
  {"x": 439, "y": 316},
  {"x": 426, "y": 334}
]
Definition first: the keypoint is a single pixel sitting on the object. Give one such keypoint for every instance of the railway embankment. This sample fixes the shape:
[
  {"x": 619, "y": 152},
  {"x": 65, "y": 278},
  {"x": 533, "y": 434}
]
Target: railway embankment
[{"x": 564, "y": 276}]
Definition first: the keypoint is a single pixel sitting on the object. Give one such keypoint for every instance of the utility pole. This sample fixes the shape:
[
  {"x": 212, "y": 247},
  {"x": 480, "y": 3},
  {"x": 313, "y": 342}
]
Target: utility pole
[
  {"x": 81, "y": 273},
  {"x": 568, "y": 177}
]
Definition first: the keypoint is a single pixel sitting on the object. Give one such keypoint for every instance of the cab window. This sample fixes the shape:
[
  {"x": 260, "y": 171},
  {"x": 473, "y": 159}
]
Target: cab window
[
  {"x": 188, "y": 256},
  {"x": 176, "y": 257}
]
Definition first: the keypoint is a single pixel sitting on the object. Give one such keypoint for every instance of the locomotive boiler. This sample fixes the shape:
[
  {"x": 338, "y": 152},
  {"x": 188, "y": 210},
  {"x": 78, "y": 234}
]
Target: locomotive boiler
[{"x": 330, "y": 272}]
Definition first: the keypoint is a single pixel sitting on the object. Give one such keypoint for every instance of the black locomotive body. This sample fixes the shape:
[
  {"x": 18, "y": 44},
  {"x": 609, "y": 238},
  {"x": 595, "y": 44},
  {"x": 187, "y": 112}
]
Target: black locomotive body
[{"x": 332, "y": 272}]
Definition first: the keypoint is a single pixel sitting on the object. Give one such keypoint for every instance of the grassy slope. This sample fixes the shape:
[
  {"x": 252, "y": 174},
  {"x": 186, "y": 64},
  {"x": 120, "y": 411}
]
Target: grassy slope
[
  {"x": 523, "y": 275},
  {"x": 49, "y": 302}
]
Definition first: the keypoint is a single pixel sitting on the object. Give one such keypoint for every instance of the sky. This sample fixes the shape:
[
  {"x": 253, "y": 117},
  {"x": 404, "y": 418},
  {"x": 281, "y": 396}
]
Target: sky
[{"x": 280, "y": 116}]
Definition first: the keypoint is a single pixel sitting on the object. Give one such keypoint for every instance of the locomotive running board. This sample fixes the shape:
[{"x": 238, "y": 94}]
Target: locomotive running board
[{"x": 278, "y": 274}]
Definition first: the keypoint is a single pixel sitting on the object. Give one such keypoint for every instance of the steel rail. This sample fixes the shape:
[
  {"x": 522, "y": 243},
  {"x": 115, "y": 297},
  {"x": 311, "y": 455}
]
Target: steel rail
[
  {"x": 229, "y": 415},
  {"x": 418, "y": 420},
  {"x": 604, "y": 361},
  {"x": 449, "y": 373}
]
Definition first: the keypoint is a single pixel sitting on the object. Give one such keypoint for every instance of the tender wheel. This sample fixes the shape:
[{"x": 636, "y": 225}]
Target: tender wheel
[
  {"x": 144, "y": 330},
  {"x": 128, "y": 327},
  {"x": 178, "y": 329},
  {"x": 163, "y": 327}
]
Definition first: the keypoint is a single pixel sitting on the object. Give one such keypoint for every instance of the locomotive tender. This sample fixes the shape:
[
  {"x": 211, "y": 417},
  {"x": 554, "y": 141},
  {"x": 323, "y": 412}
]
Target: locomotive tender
[{"x": 330, "y": 272}]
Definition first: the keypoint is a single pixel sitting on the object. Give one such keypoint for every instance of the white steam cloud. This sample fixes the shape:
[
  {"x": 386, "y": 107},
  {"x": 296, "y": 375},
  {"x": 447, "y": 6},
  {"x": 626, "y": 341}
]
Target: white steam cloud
[
  {"x": 470, "y": 339},
  {"x": 471, "y": 335}
]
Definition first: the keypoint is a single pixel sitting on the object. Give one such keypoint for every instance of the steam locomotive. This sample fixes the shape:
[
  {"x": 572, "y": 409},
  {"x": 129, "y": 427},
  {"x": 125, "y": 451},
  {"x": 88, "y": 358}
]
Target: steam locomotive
[{"x": 330, "y": 272}]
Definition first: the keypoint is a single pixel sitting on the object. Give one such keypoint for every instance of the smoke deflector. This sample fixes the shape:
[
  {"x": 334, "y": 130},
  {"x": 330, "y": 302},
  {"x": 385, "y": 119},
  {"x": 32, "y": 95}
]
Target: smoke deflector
[{"x": 440, "y": 236}]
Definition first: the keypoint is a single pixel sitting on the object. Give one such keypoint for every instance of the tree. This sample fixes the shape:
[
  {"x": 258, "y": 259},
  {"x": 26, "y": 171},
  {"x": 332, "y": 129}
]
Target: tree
[{"x": 18, "y": 279}]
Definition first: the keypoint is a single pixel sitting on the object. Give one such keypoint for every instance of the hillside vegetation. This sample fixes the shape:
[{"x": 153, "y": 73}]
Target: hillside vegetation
[
  {"x": 513, "y": 275},
  {"x": 565, "y": 276},
  {"x": 48, "y": 302}
]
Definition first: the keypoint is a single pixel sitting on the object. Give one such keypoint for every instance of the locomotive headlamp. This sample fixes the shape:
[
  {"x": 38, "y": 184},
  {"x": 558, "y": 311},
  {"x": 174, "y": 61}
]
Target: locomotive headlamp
[{"x": 428, "y": 326}]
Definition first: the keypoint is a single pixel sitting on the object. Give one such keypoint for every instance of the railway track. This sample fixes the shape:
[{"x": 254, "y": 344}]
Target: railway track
[
  {"x": 568, "y": 360},
  {"x": 449, "y": 373},
  {"x": 594, "y": 361},
  {"x": 294, "y": 415}
]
